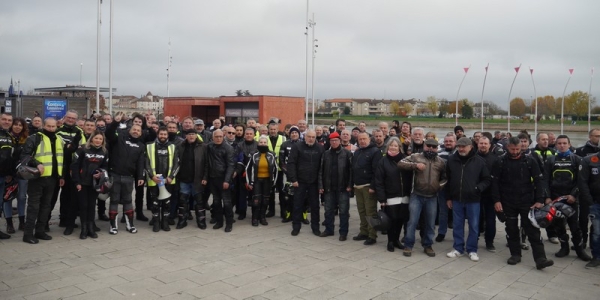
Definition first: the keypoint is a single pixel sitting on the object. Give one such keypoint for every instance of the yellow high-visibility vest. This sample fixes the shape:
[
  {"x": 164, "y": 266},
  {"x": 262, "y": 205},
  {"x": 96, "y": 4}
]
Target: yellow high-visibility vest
[
  {"x": 280, "y": 140},
  {"x": 44, "y": 155},
  {"x": 151, "y": 151}
]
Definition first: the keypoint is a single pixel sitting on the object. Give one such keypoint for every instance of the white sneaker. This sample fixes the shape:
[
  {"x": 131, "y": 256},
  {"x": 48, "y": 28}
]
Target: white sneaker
[
  {"x": 553, "y": 240},
  {"x": 473, "y": 256},
  {"x": 454, "y": 254}
]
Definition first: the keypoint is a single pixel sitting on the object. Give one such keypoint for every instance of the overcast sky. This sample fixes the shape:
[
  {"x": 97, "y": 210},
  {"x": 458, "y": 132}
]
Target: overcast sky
[{"x": 367, "y": 49}]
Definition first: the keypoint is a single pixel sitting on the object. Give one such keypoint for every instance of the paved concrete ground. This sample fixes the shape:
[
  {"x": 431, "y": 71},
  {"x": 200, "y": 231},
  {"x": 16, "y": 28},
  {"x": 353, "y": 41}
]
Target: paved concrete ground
[{"x": 266, "y": 262}]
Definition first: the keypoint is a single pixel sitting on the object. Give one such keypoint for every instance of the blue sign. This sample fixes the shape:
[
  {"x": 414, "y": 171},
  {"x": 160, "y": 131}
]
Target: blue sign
[{"x": 56, "y": 108}]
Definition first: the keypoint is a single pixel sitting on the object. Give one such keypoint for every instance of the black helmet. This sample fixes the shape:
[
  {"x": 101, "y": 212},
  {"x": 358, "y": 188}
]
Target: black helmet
[
  {"x": 104, "y": 183},
  {"x": 565, "y": 209},
  {"x": 26, "y": 172},
  {"x": 543, "y": 217},
  {"x": 380, "y": 222}
]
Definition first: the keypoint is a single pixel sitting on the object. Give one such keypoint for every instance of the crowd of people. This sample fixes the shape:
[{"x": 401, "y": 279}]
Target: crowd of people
[{"x": 414, "y": 179}]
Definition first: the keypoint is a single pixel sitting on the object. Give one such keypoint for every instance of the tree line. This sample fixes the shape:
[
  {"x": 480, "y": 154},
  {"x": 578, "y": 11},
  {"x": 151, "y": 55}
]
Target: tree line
[{"x": 576, "y": 106}]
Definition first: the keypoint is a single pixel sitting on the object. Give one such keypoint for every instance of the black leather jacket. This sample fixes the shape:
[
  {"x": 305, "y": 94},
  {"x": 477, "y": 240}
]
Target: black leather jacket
[
  {"x": 304, "y": 162},
  {"x": 364, "y": 163},
  {"x": 220, "y": 161},
  {"x": 587, "y": 149},
  {"x": 589, "y": 180},
  {"x": 200, "y": 163},
  {"x": 284, "y": 153},
  {"x": 512, "y": 181},
  {"x": 344, "y": 170},
  {"x": 6, "y": 153},
  {"x": 467, "y": 177},
  {"x": 243, "y": 152}
]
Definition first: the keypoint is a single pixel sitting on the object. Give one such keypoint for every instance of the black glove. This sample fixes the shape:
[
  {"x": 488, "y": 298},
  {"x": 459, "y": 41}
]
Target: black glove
[{"x": 77, "y": 138}]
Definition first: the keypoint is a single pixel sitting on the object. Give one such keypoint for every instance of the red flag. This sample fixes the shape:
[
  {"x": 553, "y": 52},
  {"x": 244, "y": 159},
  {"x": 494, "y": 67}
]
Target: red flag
[
  {"x": 531, "y": 71},
  {"x": 571, "y": 71},
  {"x": 517, "y": 69},
  {"x": 466, "y": 70}
]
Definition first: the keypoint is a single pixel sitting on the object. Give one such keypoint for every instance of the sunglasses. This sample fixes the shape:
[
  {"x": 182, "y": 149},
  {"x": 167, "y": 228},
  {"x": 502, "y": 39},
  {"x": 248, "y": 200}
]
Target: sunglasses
[{"x": 231, "y": 133}]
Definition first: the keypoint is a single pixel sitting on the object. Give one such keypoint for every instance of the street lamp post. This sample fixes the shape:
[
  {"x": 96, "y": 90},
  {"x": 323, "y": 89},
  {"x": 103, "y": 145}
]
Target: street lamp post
[
  {"x": 80, "y": 72},
  {"x": 562, "y": 104}
]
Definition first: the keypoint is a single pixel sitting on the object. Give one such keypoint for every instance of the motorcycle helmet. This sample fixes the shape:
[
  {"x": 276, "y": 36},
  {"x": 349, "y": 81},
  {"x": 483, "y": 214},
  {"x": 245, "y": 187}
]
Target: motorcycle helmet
[
  {"x": 10, "y": 190},
  {"x": 543, "y": 217},
  {"x": 104, "y": 183},
  {"x": 103, "y": 197},
  {"x": 380, "y": 222},
  {"x": 26, "y": 172},
  {"x": 289, "y": 189},
  {"x": 565, "y": 209}
]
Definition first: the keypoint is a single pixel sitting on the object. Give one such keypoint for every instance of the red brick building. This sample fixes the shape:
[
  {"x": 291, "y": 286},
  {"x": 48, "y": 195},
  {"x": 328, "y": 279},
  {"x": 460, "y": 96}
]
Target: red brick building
[{"x": 237, "y": 109}]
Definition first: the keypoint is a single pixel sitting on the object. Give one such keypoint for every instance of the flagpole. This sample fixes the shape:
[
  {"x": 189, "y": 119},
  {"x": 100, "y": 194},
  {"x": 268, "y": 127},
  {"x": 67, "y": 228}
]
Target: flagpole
[
  {"x": 110, "y": 61},
  {"x": 306, "y": 79},
  {"x": 562, "y": 104},
  {"x": 459, "y": 86},
  {"x": 482, "y": 89},
  {"x": 536, "y": 102},
  {"x": 510, "y": 92},
  {"x": 590, "y": 102},
  {"x": 312, "y": 24},
  {"x": 98, "y": 57}
]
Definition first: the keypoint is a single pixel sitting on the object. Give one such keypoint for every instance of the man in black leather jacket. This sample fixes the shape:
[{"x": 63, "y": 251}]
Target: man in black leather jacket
[
  {"x": 303, "y": 168},
  {"x": 335, "y": 182},
  {"x": 221, "y": 166}
]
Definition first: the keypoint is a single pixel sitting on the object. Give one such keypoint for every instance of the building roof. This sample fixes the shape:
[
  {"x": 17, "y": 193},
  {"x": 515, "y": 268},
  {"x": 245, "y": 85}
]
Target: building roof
[
  {"x": 72, "y": 89},
  {"x": 338, "y": 100}
]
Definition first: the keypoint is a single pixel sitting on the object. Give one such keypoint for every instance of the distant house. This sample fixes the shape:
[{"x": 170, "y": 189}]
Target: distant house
[{"x": 371, "y": 107}]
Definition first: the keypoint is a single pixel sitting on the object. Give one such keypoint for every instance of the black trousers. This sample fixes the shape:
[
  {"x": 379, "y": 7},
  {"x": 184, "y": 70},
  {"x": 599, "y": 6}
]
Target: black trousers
[
  {"x": 157, "y": 205},
  {"x": 70, "y": 201},
  {"x": 221, "y": 201},
  {"x": 260, "y": 197},
  {"x": 398, "y": 215},
  {"x": 584, "y": 212},
  {"x": 278, "y": 188},
  {"x": 87, "y": 203},
  {"x": 40, "y": 192},
  {"x": 560, "y": 227},
  {"x": 304, "y": 192},
  {"x": 513, "y": 212},
  {"x": 139, "y": 197}
]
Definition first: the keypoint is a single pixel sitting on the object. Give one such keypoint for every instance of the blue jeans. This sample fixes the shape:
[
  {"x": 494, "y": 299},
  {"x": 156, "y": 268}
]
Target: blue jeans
[
  {"x": 333, "y": 200},
  {"x": 21, "y": 200},
  {"x": 416, "y": 205},
  {"x": 187, "y": 188},
  {"x": 442, "y": 213},
  {"x": 470, "y": 212},
  {"x": 595, "y": 238}
]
